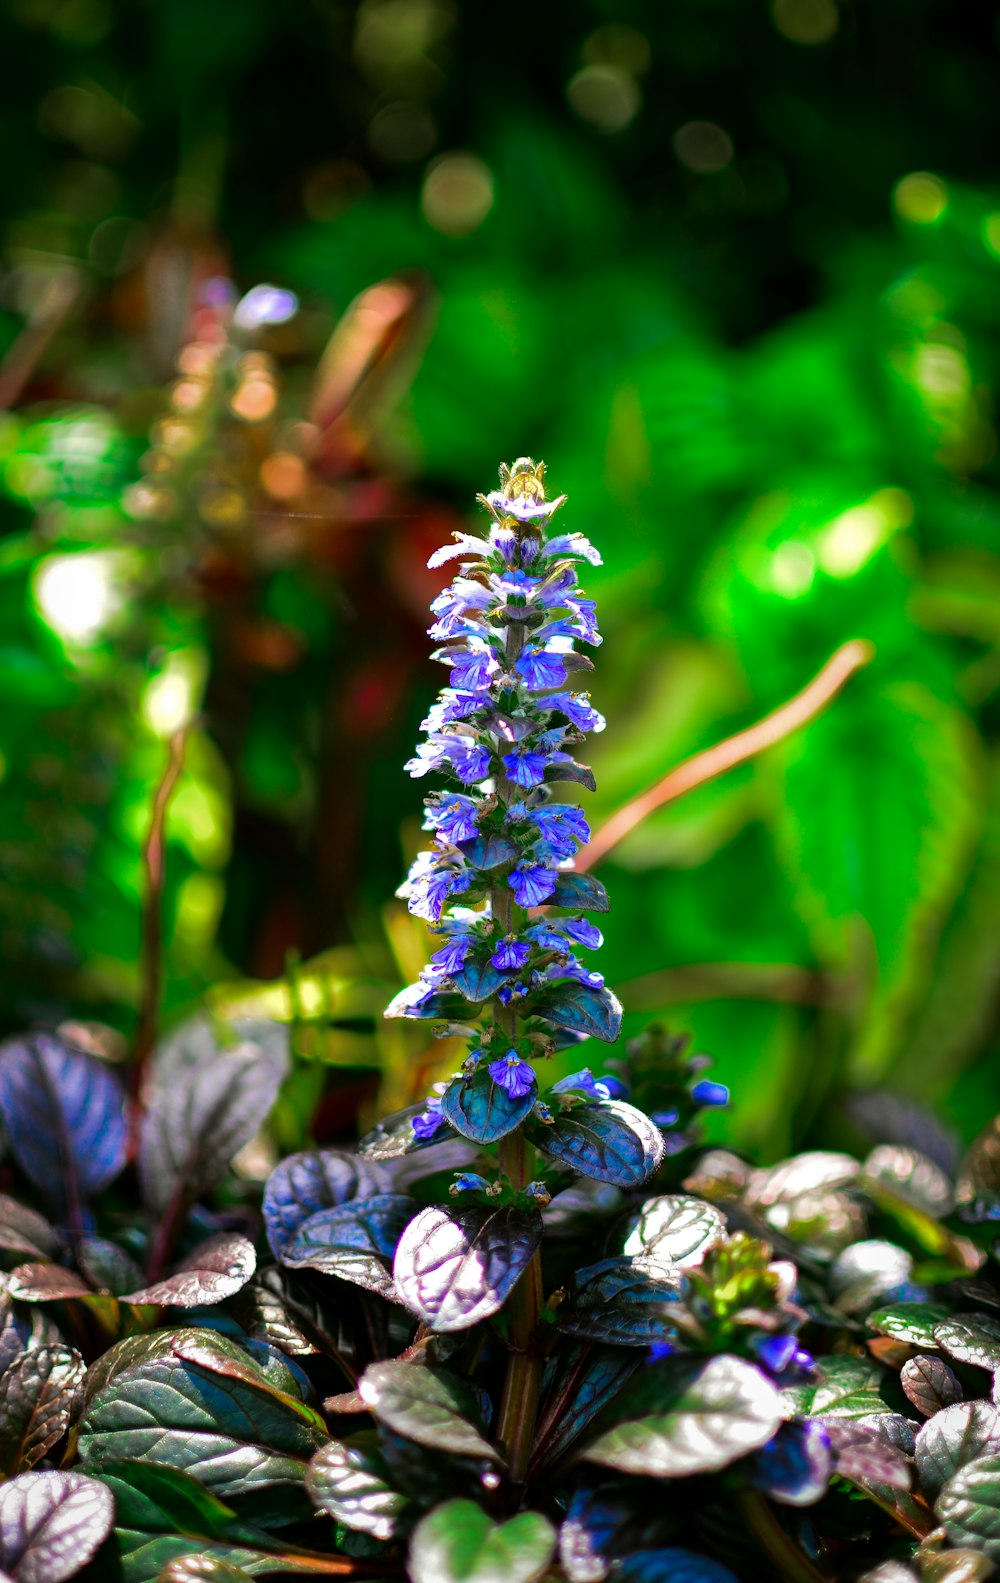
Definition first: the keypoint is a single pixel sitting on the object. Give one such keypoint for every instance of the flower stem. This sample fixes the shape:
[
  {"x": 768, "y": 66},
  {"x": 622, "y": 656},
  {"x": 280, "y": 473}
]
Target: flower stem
[{"x": 522, "y": 1386}]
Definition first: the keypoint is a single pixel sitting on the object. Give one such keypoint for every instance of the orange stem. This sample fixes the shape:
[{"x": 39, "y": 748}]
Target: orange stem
[{"x": 714, "y": 761}]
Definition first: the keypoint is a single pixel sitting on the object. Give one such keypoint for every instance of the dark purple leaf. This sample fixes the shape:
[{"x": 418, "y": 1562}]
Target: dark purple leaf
[
  {"x": 579, "y": 774},
  {"x": 15, "y": 1331},
  {"x": 617, "y": 1302},
  {"x": 205, "y": 1105},
  {"x": 489, "y": 851},
  {"x": 217, "y": 1269},
  {"x": 580, "y": 891},
  {"x": 482, "y": 1110},
  {"x": 929, "y": 1384},
  {"x": 46, "y": 1283},
  {"x": 584, "y": 1381},
  {"x": 969, "y": 1506},
  {"x": 672, "y": 1565},
  {"x": 864, "y": 1456},
  {"x": 596, "y": 1013},
  {"x": 41, "y": 1394},
  {"x": 354, "y": 1241},
  {"x": 609, "y": 1141},
  {"x": 51, "y": 1524},
  {"x": 24, "y": 1231},
  {"x": 454, "y": 1269},
  {"x": 394, "y": 1136},
  {"x": 303, "y": 1184},
  {"x": 478, "y": 980},
  {"x": 64, "y": 1111}
]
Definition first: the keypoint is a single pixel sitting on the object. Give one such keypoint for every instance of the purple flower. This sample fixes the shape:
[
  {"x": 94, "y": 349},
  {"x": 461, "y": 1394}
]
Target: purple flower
[
  {"x": 469, "y": 1182},
  {"x": 562, "y": 828},
  {"x": 540, "y": 670},
  {"x": 523, "y": 507},
  {"x": 427, "y": 1125},
  {"x": 472, "y": 669},
  {"x": 429, "y": 884},
  {"x": 529, "y": 549},
  {"x": 513, "y": 1075},
  {"x": 531, "y": 883},
  {"x": 578, "y": 711},
  {"x": 455, "y": 819},
  {"x": 450, "y": 958},
  {"x": 524, "y": 767},
  {"x": 450, "y": 706},
  {"x": 471, "y": 763},
  {"x": 583, "y": 931},
  {"x": 467, "y": 548},
  {"x": 504, "y": 541},
  {"x": 510, "y": 955},
  {"x": 576, "y": 545},
  {"x": 586, "y": 628},
  {"x": 659, "y": 1350},
  {"x": 708, "y": 1093}
]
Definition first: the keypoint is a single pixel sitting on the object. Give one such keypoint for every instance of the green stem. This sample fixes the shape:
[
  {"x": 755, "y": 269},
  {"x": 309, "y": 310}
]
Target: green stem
[{"x": 791, "y": 1562}]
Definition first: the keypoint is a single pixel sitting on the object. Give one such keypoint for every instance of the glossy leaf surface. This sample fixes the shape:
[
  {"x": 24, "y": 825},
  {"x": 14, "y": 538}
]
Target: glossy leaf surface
[
  {"x": 482, "y": 1110},
  {"x": 64, "y": 1111},
  {"x": 595, "y": 1013},
  {"x": 953, "y": 1437},
  {"x": 51, "y": 1524},
  {"x": 348, "y": 1480},
  {"x": 697, "y": 1419},
  {"x": 354, "y": 1241},
  {"x": 206, "y": 1103},
  {"x": 610, "y": 1141},
  {"x": 215, "y": 1270},
  {"x": 459, "y": 1543},
  {"x": 316, "y": 1179},
  {"x": 454, "y": 1269},
  {"x": 618, "y": 1302},
  {"x": 41, "y": 1394},
  {"x": 429, "y": 1405},
  {"x": 675, "y": 1231}
]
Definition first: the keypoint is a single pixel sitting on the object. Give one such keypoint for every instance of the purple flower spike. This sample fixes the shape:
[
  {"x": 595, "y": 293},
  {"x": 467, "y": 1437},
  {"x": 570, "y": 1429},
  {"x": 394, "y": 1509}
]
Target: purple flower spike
[
  {"x": 513, "y": 1075},
  {"x": 525, "y": 768}
]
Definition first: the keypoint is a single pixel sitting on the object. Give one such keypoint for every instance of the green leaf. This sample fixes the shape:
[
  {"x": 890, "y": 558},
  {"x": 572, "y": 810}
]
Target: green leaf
[
  {"x": 428, "y": 1405},
  {"x": 910, "y": 1322},
  {"x": 953, "y": 1437},
  {"x": 206, "y": 1407},
  {"x": 51, "y": 1524},
  {"x": 349, "y": 1480},
  {"x": 675, "y": 1231},
  {"x": 879, "y": 809},
  {"x": 849, "y": 1389},
  {"x": 971, "y": 1338},
  {"x": 202, "y": 1569},
  {"x": 459, "y": 1543},
  {"x": 703, "y": 1418},
  {"x": 969, "y": 1505},
  {"x": 40, "y": 1396}
]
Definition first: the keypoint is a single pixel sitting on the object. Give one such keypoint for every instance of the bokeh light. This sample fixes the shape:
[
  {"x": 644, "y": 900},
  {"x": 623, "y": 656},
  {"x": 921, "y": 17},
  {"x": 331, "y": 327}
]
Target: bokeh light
[
  {"x": 606, "y": 95},
  {"x": 457, "y": 193},
  {"x": 77, "y": 595}
]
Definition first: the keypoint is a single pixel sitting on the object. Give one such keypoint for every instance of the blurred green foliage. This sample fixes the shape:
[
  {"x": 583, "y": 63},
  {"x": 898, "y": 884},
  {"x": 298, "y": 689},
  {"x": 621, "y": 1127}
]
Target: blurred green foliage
[{"x": 733, "y": 270}]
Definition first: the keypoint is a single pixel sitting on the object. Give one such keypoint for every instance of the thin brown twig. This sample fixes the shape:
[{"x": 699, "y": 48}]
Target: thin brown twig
[
  {"x": 154, "y": 869},
  {"x": 21, "y": 359},
  {"x": 714, "y": 761}
]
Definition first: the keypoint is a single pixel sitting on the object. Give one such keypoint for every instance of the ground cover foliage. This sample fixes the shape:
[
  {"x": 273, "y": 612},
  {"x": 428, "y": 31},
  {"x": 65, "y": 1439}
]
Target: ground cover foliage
[{"x": 525, "y": 1329}]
